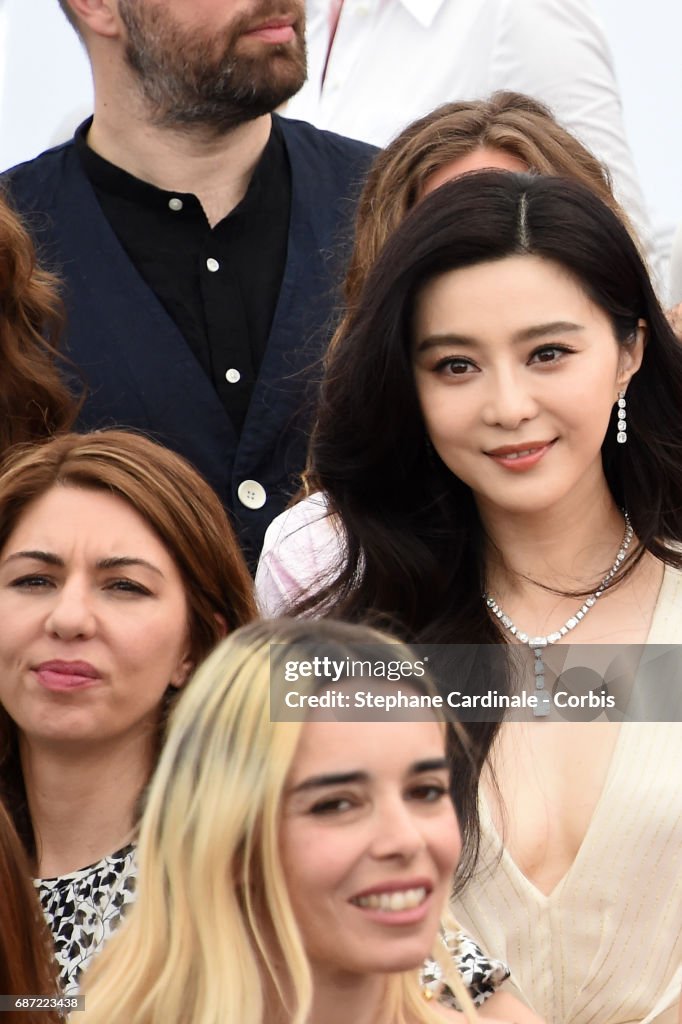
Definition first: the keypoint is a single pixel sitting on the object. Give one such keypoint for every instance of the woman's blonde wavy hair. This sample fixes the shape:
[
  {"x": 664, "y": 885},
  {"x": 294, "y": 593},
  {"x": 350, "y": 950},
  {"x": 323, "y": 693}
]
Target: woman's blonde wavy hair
[
  {"x": 518, "y": 125},
  {"x": 212, "y": 938}
]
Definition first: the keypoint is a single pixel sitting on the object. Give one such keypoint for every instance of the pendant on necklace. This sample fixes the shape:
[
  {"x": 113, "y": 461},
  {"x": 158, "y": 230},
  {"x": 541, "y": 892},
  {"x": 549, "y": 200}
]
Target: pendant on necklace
[{"x": 542, "y": 708}]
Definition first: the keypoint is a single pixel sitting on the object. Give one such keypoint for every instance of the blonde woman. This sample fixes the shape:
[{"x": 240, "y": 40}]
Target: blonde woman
[{"x": 291, "y": 872}]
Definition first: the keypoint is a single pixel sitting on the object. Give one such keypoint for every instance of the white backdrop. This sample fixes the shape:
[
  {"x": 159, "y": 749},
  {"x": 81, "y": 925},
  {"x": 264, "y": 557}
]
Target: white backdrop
[
  {"x": 45, "y": 88},
  {"x": 45, "y": 84},
  {"x": 645, "y": 40}
]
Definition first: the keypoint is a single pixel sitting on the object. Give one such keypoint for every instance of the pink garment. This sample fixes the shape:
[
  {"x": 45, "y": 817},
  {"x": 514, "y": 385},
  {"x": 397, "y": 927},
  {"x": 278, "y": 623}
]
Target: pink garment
[{"x": 302, "y": 550}]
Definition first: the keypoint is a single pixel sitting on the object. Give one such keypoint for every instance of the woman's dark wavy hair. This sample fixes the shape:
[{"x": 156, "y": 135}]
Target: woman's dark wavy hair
[{"x": 414, "y": 538}]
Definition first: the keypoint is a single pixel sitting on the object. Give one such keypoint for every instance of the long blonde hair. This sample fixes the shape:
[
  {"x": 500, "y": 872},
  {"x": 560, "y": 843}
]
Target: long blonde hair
[{"x": 213, "y": 938}]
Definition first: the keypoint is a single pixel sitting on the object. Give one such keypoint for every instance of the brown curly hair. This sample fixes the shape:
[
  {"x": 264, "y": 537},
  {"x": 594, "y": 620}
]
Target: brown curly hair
[{"x": 35, "y": 401}]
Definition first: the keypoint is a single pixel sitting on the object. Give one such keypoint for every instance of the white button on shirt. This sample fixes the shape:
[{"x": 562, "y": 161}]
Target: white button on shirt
[
  {"x": 232, "y": 376},
  {"x": 251, "y": 494},
  {"x": 402, "y": 59},
  {"x": 212, "y": 264},
  {"x": 175, "y": 204}
]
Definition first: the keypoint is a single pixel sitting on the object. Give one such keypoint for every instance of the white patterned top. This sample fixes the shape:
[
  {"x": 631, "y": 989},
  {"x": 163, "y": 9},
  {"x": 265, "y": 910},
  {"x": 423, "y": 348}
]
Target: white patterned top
[{"x": 83, "y": 908}]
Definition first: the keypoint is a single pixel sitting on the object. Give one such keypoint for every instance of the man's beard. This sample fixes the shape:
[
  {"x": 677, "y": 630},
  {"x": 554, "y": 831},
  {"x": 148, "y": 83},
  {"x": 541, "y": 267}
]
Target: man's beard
[{"x": 190, "y": 78}]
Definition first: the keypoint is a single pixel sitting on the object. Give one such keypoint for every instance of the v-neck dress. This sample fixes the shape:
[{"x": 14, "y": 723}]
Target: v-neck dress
[{"x": 605, "y": 947}]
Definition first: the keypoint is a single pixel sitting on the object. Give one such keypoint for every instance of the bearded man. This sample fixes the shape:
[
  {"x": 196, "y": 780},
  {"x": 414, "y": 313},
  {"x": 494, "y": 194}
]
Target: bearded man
[{"x": 197, "y": 234}]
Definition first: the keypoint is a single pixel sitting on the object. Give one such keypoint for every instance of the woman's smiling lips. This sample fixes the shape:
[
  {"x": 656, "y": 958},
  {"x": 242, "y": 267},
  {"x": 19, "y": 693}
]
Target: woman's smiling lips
[
  {"x": 66, "y": 675},
  {"x": 398, "y": 902},
  {"x": 519, "y": 457}
]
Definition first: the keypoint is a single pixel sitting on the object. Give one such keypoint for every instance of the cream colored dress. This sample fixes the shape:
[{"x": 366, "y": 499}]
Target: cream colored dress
[{"x": 605, "y": 947}]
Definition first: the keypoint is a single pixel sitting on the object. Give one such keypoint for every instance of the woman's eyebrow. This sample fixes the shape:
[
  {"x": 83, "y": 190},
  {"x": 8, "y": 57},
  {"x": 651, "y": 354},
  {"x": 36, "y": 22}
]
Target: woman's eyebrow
[
  {"x": 125, "y": 561},
  {"x": 116, "y": 562},
  {"x": 435, "y": 764},
  {"x": 36, "y": 556},
  {"x": 440, "y": 340},
  {"x": 338, "y": 779},
  {"x": 542, "y": 330},
  {"x": 346, "y": 778},
  {"x": 524, "y": 335}
]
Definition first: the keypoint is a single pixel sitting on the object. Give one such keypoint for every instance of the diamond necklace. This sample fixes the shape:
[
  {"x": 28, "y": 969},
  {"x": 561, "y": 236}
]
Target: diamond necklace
[{"x": 538, "y": 643}]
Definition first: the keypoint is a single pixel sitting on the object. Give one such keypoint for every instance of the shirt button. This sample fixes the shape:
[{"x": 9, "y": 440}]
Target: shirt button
[
  {"x": 212, "y": 264},
  {"x": 175, "y": 204},
  {"x": 233, "y": 376},
  {"x": 251, "y": 494}
]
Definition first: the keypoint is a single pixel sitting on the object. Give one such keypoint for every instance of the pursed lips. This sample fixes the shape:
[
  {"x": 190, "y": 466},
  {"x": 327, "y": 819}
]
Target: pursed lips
[{"x": 66, "y": 675}]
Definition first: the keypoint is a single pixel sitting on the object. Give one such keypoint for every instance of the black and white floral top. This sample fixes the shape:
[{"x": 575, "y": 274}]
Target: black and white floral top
[
  {"x": 482, "y": 975},
  {"x": 83, "y": 908}
]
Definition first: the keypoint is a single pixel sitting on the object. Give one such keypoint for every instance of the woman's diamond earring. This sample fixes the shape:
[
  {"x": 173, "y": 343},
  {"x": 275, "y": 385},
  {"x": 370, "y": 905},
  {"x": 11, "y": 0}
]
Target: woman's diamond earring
[{"x": 621, "y": 436}]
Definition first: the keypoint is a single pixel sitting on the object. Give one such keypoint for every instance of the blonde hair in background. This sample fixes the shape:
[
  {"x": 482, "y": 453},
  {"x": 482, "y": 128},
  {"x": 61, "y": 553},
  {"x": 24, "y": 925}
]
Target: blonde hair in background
[
  {"x": 509, "y": 121},
  {"x": 212, "y": 938}
]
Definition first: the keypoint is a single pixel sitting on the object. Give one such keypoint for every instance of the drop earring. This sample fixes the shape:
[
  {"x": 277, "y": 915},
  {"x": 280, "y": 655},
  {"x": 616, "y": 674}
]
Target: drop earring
[{"x": 622, "y": 435}]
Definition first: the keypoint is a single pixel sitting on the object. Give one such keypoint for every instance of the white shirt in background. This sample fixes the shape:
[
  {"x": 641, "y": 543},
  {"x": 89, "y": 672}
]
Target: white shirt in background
[{"x": 394, "y": 60}]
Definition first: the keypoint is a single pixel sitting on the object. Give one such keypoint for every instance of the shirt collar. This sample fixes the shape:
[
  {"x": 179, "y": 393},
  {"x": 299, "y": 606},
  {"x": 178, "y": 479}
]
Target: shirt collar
[
  {"x": 109, "y": 178},
  {"x": 424, "y": 11}
]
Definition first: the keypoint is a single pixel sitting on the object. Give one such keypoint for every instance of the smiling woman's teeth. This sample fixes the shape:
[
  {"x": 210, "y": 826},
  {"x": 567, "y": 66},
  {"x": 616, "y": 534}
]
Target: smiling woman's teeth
[
  {"x": 519, "y": 455},
  {"x": 393, "y": 900}
]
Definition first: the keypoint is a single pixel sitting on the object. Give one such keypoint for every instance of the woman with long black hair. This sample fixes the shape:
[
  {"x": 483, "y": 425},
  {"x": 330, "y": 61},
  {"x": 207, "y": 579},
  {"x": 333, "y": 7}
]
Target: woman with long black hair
[{"x": 499, "y": 448}]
